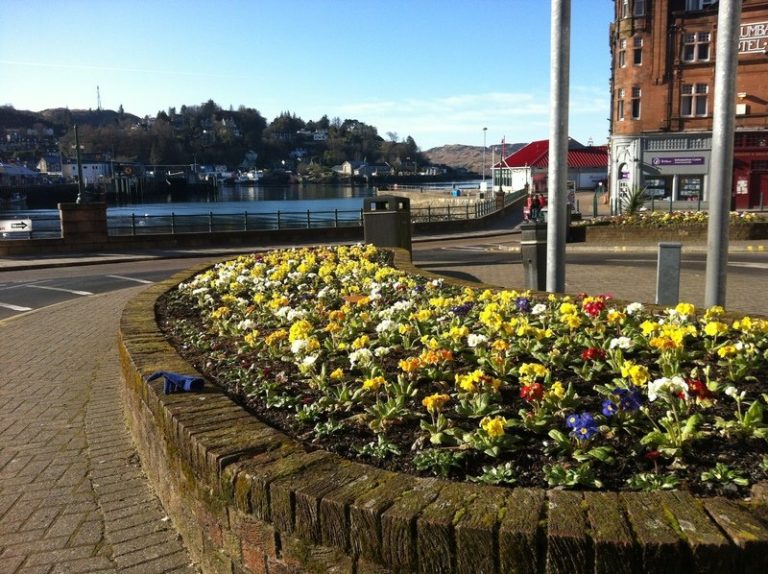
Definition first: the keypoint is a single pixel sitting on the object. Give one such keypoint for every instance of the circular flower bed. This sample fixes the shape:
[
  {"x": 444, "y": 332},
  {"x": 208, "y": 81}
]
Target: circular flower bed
[{"x": 340, "y": 349}]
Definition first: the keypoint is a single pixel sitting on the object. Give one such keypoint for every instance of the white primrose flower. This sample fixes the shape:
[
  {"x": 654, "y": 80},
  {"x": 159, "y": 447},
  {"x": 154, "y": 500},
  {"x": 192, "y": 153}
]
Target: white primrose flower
[
  {"x": 386, "y": 325},
  {"x": 667, "y": 386},
  {"x": 283, "y": 311},
  {"x": 538, "y": 309},
  {"x": 362, "y": 357},
  {"x": 624, "y": 343},
  {"x": 246, "y": 325},
  {"x": 307, "y": 363},
  {"x": 634, "y": 308},
  {"x": 474, "y": 340},
  {"x": 294, "y": 314},
  {"x": 734, "y": 393},
  {"x": 382, "y": 351},
  {"x": 298, "y": 346}
]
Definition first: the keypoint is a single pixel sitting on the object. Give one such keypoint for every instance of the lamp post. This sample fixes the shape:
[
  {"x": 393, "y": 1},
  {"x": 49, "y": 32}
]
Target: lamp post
[
  {"x": 485, "y": 130},
  {"x": 80, "y": 188}
]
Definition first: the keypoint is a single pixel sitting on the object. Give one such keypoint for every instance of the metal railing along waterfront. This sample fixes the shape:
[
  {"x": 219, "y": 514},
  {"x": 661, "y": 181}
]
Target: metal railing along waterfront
[
  {"x": 212, "y": 222},
  {"x": 135, "y": 224}
]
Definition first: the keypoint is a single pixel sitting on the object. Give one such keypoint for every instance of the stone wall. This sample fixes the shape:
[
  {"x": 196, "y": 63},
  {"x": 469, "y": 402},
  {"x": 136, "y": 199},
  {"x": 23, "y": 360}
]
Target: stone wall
[
  {"x": 248, "y": 499},
  {"x": 683, "y": 233}
]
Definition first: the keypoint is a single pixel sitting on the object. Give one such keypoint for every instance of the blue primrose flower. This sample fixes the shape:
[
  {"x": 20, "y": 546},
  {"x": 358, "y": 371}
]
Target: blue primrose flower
[
  {"x": 629, "y": 400},
  {"x": 523, "y": 304},
  {"x": 583, "y": 426},
  {"x": 609, "y": 408},
  {"x": 462, "y": 310}
]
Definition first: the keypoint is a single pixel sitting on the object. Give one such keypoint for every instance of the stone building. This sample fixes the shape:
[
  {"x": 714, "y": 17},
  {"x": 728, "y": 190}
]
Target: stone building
[{"x": 662, "y": 85}]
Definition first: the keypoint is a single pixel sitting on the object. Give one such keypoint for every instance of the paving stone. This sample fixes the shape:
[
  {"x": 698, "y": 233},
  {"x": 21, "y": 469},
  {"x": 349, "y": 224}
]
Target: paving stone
[{"x": 68, "y": 476}]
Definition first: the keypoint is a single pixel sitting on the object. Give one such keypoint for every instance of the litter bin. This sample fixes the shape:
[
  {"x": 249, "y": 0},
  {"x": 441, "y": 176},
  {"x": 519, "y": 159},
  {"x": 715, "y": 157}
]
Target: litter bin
[
  {"x": 387, "y": 221},
  {"x": 533, "y": 248}
]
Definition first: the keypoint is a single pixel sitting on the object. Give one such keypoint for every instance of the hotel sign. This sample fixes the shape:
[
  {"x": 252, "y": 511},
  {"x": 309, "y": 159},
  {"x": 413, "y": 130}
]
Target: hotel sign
[{"x": 753, "y": 38}]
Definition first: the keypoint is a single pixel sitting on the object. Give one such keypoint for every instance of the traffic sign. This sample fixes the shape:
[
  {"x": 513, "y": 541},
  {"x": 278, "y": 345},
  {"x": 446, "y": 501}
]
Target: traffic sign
[{"x": 15, "y": 225}]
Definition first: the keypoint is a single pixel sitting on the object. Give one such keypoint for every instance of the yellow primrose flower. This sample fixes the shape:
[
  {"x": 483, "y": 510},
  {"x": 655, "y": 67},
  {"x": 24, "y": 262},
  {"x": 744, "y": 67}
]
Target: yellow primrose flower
[
  {"x": 251, "y": 339},
  {"x": 299, "y": 330},
  {"x": 648, "y": 327},
  {"x": 614, "y": 317},
  {"x": 685, "y": 309},
  {"x": 490, "y": 316},
  {"x": 337, "y": 374},
  {"x": 220, "y": 313},
  {"x": 457, "y": 333},
  {"x": 727, "y": 351},
  {"x": 557, "y": 389},
  {"x": 714, "y": 312},
  {"x": 715, "y": 328},
  {"x": 361, "y": 342},
  {"x": 533, "y": 370},
  {"x": 410, "y": 364},
  {"x": 500, "y": 345},
  {"x": 405, "y": 329},
  {"x": 494, "y": 427},
  {"x": 568, "y": 309},
  {"x": 276, "y": 336},
  {"x": 572, "y": 321},
  {"x": 637, "y": 374},
  {"x": 436, "y": 402},
  {"x": 373, "y": 384}
]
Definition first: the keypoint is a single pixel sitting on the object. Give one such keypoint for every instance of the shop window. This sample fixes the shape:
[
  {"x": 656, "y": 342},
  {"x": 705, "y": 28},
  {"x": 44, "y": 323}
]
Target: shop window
[
  {"x": 656, "y": 187},
  {"x": 696, "y": 46},
  {"x": 694, "y": 100},
  {"x": 690, "y": 187},
  {"x": 637, "y": 51},
  {"x": 636, "y": 93}
]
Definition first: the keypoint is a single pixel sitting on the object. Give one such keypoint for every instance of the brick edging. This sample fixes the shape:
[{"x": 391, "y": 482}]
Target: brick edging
[{"x": 247, "y": 498}]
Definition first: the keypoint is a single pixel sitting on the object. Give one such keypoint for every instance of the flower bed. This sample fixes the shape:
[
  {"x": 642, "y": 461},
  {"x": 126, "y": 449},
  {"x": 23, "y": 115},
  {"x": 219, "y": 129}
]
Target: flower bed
[{"x": 345, "y": 352}]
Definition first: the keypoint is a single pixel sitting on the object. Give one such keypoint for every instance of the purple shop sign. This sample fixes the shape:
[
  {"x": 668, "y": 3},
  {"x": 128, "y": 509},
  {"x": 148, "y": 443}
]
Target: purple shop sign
[{"x": 693, "y": 160}]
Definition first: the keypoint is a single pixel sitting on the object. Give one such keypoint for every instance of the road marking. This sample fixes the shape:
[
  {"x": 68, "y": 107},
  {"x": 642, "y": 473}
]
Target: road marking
[
  {"x": 130, "y": 279},
  {"x": 748, "y": 265},
  {"x": 73, "y": 291},
  {"x": 15, "y": 307}
]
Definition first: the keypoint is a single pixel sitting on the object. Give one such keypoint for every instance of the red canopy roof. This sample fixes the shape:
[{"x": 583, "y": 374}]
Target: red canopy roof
[{"x": 536, "y": 154}]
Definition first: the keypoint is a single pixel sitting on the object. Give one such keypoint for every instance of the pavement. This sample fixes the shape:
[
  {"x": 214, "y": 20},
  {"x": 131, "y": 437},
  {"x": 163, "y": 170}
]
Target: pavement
[{"x": 73, "y": 497}]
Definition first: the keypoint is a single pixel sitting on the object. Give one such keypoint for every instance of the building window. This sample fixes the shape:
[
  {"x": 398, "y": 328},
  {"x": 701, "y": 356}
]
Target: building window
[
  {"x": 639, "y": 8},
  {"x": 694, "y": 100},
  {"x": 620, "y": 104},
  {"x": 637, "y": 51},
  {"x": 622, "y": 53},
  {"x": 699, "y": 4},
  {"x": 696, "y": 47},
  {"x": 625, "y": 8},
  {"x": 636, "y": 93}
]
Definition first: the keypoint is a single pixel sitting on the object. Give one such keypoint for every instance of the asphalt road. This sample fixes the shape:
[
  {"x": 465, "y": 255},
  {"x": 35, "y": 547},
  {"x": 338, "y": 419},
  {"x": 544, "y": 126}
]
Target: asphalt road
[{"x": 25, "y": 291}]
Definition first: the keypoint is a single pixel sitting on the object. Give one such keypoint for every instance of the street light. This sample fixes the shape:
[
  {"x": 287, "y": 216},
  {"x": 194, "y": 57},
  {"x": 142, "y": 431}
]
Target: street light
[{"x": 485, "y": 130}]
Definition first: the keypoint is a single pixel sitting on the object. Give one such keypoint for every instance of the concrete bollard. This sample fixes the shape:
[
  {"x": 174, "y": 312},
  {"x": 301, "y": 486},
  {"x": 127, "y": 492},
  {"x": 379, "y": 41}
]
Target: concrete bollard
[{"x": 668, "y": 273}]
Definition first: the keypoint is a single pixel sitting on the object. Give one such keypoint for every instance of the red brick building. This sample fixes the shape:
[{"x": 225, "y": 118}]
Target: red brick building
[{"x": 662, "y": 85}]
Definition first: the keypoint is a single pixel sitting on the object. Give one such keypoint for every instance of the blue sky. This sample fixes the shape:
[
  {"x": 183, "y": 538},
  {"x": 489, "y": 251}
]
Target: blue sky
[{"x": 437, "y": 70}]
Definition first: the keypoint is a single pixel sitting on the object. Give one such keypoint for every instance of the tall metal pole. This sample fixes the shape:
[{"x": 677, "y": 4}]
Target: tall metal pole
[
  {"x": 721, "y": 164},
  {"x": 560, "y": 35},
  {"x": 80, "y": 194}
]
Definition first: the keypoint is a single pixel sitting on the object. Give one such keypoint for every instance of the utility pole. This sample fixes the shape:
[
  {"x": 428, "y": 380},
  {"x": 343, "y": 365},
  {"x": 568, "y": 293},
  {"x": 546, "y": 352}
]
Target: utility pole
[
  {"x": 80, "y": 194},
  {"x": 560, "y": 37},
  {"x": 485, "y": 130},
  {"x": 721, "y": 163}
]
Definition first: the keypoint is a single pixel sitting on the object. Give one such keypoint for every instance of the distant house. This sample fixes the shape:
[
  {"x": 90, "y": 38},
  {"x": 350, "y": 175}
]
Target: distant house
[
  {"x": 587, "y": 165},
  {"x": 92, "y": 170},
  {"x": 434, "y": 170},
  {"x": 320, "y": 135},
  {"x": 374, "y": 169},
  {"x": 50, "y": 164},
  {"x": 350, "y": 167}
]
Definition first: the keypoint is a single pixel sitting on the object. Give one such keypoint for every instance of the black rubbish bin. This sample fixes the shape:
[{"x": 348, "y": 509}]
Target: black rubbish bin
[
  {"x": 533, "y": 248},
  {"x": 387, "y": 221}
]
